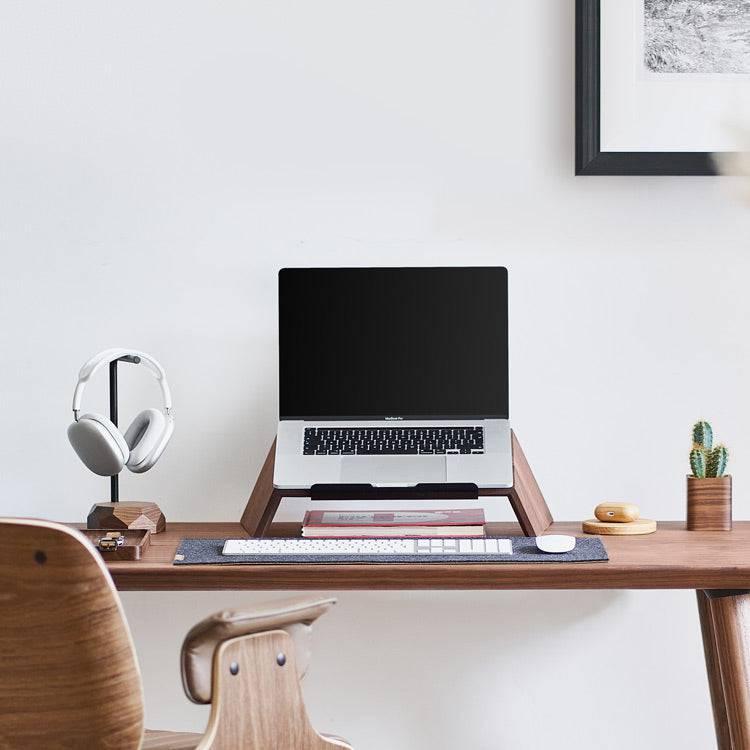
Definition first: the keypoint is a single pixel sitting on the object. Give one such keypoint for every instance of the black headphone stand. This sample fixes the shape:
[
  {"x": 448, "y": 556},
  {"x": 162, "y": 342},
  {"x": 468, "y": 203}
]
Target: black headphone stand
[{"x": 130, "y": 514}]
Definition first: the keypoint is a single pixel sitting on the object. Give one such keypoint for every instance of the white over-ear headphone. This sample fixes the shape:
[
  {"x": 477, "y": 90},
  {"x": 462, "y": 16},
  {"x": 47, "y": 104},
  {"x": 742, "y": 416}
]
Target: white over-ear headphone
[{"x": 100, "y": 444}]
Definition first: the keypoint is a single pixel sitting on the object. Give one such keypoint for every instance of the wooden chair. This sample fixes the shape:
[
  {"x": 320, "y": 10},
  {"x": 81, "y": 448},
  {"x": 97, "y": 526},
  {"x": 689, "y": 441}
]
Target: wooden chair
[{"x": 68, "y": 671}]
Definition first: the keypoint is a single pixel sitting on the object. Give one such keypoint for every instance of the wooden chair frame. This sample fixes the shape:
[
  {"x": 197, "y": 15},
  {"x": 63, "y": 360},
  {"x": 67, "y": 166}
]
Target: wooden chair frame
[{"x": 245, "y": 670}]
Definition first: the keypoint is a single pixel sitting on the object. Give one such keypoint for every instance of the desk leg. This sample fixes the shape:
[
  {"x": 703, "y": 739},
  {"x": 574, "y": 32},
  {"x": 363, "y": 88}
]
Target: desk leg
[
  {"x": 721, "y": 723},
  {"x": 728, "y": 654}
]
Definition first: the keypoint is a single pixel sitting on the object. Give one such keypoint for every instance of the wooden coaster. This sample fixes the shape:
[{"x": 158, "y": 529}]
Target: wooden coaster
[{"x": 641, "y": 526}]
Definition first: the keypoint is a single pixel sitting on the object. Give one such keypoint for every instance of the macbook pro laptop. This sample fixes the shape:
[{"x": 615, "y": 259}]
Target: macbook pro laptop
[{"x": 393, "y": 377}]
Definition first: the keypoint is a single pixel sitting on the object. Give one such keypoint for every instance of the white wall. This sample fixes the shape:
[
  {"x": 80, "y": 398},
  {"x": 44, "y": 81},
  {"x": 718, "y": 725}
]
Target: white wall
[{"x": 160, "y": 161}]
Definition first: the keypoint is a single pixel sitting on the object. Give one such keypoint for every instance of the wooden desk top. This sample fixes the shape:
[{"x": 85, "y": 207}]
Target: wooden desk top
[{"x": 672, "y": 558}]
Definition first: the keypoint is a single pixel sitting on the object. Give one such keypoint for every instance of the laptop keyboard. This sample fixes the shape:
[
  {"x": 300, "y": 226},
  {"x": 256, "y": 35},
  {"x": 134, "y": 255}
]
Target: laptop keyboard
[{"x": 395, "y": 441}]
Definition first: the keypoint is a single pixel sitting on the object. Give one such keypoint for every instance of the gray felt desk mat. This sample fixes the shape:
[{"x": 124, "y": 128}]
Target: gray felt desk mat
[{"x": 208, "y": 552}]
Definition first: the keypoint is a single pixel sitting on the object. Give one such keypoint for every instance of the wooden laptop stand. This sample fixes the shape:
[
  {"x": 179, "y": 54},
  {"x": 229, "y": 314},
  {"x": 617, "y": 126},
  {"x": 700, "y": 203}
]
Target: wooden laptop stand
[{"x": 525, "y": 497}]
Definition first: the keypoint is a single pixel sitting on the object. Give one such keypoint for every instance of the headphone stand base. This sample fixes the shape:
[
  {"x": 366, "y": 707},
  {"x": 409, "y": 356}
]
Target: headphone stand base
[{"x": 127, "y": 514}]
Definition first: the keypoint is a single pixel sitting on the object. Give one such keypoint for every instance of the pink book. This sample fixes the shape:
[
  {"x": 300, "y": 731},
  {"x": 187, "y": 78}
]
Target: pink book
[{"x": 394, "y": 523}]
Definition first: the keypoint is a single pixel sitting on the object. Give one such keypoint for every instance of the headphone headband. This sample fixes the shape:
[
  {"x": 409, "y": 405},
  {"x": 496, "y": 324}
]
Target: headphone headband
[{"x": 110, "y": 355}]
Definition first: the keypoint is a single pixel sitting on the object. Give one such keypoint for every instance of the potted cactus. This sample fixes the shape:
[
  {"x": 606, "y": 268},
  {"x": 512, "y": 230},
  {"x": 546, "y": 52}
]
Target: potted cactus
[{"x": 709, "y": 489}]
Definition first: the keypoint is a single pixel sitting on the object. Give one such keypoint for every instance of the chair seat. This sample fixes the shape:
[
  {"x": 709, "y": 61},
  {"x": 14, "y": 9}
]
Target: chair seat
[{"x": 156, "y": 740}]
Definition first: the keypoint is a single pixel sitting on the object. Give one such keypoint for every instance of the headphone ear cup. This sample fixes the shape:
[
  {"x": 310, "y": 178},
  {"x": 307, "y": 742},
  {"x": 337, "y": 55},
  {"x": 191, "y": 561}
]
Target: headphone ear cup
[
  {"x": 99, "y": 444},
  {"x": 146, "y": 439}
]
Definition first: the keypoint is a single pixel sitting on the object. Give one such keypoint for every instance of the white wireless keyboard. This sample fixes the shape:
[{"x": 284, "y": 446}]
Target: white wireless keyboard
[{"x": 369, "y": 550}]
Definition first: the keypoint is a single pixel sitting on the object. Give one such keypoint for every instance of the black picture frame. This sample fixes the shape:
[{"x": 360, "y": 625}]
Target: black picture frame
[{"x": 589, "y": 158}]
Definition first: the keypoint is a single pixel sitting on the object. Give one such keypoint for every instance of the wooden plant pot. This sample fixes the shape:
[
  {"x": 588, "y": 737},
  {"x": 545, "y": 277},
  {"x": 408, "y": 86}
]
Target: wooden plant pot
[{"x": 709, "y": 503}]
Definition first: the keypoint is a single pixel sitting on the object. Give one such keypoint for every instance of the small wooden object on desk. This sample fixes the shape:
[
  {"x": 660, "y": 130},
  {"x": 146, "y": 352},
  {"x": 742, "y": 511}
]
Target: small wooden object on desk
[
  {"x": 617, "y": 512},
  {"x": 135, "y": 542},
  {"x": 619, "y": 528},
  {"x": 618, "y": 519},
  {"x": 127, "y": 514}
]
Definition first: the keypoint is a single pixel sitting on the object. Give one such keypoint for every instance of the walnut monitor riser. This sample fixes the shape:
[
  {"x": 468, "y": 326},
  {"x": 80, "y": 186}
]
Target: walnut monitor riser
[{"x": 525, "y": 497}]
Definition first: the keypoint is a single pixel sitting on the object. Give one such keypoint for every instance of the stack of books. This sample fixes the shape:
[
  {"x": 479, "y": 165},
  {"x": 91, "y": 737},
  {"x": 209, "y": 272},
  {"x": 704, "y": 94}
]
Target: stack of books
[{"x": 334, "y": 524}]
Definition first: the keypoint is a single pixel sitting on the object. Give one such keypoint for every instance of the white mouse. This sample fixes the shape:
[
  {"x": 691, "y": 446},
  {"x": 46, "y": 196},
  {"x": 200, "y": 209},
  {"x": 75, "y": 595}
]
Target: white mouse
[{"x": 555, "y": 543}]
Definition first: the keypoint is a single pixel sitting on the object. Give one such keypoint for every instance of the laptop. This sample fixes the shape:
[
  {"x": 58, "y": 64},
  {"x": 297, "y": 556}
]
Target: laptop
[{"x": 393, "y": 377}]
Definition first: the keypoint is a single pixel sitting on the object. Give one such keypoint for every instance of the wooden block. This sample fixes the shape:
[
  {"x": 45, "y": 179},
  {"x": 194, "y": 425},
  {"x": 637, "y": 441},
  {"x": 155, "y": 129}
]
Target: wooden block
[
  {"x": 137, "y": 541},
  {"x": 617, "y": 512},
  {"x": 127, "y": 514},
  {"x": 614, "y": 528}
]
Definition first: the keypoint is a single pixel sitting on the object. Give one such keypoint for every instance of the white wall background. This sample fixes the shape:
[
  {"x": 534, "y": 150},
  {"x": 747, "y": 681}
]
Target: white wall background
[{"x": 160, "y": 161}]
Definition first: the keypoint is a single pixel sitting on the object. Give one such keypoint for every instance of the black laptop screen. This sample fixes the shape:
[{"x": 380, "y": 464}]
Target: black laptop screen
[{"x": 360, "y": 343}]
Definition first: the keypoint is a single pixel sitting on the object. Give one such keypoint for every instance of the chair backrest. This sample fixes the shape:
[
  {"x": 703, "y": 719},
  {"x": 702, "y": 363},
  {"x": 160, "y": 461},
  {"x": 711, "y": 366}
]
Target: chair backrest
[{"x": 68, "y": 673}]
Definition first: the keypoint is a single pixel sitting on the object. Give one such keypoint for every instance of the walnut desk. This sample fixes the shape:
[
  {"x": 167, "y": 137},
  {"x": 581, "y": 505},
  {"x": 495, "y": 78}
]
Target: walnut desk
[{"x": 715, "y": 564}]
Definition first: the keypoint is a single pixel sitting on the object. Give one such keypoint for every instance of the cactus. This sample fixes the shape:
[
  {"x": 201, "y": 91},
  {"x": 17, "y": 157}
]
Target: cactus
[
  {"x": 698, "y": 463},
  {"x": 705, "y": 459},
  {"x": 717, "y": 461},
  {"x": 703, "y": 436}
]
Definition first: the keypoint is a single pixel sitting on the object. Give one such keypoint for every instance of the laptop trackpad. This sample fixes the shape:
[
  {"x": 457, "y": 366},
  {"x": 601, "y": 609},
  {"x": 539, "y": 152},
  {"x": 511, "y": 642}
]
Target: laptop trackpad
[{"x": 392, "y": 470}]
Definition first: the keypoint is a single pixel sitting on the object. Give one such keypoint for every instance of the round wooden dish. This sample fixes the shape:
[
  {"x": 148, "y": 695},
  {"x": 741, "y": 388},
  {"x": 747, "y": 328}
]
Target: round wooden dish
[{"x": 640, "y": 526}]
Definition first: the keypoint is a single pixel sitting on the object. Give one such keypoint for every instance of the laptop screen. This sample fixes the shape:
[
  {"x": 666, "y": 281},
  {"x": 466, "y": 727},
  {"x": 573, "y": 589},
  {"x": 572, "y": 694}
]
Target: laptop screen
[{"x": 411, "y": 343}]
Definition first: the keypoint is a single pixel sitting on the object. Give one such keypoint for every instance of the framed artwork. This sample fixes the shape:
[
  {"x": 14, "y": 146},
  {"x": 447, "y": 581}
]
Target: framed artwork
[{"x": 661, "y": 85}]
